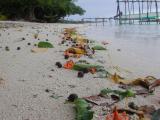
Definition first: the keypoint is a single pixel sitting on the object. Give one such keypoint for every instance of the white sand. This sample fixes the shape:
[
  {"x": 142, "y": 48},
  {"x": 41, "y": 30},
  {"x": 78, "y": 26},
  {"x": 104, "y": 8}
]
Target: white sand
[{"x": 27, "y": 75}]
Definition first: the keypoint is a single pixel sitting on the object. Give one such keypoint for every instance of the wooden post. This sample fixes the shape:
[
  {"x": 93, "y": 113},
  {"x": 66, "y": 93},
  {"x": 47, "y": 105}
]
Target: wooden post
[
  {"x": 96, "y": 21},
  {"x": 125, "y": 11},
  {"x": 139, "y": 12},
  {"x": 103, "y": 21},
  {"x": 157, "y": 13}
]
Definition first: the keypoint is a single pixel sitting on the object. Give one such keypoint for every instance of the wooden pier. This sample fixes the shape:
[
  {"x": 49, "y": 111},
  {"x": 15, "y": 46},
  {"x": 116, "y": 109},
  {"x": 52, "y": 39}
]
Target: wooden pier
[
  {"x": 97, "y": 20},
  {"x": 142, "y": 11}
]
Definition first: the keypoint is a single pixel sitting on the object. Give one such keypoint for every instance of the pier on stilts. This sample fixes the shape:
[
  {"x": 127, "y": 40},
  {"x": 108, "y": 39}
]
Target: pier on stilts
[
  {"x": 97, "y": 20},
  {"x": 141, "y": 11}
]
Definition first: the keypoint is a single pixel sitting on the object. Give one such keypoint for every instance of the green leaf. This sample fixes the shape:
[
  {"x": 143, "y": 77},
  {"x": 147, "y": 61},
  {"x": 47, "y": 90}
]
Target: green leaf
[
  {"x": 82, "y": 111},
  {"x": 121, "y": 94},
  {"x": 81, "y": 67},
  {"x": 98, "y": 47},
  {"x": 45, "y": 45}
]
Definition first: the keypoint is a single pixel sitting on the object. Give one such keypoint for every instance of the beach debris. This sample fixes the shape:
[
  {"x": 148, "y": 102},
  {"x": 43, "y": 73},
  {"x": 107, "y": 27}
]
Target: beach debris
[
  {"x": 74, "y": 52},
  {"x": 119, "y": 50},
  {"x": 82, "y": 67},
  {"x": 80, "y": 46},
  {"x": 35, "y": 96},
  {"x": 132, "y": 106},
  {"x": 39, "y": 50},
  {"x": 23, "y": 38},
  {"x": 116, "y": 78},
  {"x": 98, "y": 47},
  {"x": 28, "y": 43},
  {"x": 45, "y": 45},
  {"x": 143, "y": 112},
  {"x": 59, "y": 65},
  {"x": 69, "y": 64},
  {"x": 104, "y": 43},
  {"x": 72, "y": 86},
  {"x": 100, "y": 101},
  {"x": 47, "y": 90},
  {"x": 72, "y": 97},
  {"x": 18, "y": 48},
  {"x": 82, "y": 110},
  {"x": 35, "y": 35},
  {"x": 52, "y": 70},
  {"x": 2, "y": 81},
  {"x": 92, "y": 70},
  {"x": 131, "y": 112},
  {"x": 121, "y": 94},
  {"x": 66, "y": 57},
  {"x": 7, "y": 48},
  {"x": 80, "y": 74},
  {"x": 154, "y": 84},
  {"x": 117, "y": 116},
  {"x": 55, "y": 96},
  {"x": 156, "y": 115}
]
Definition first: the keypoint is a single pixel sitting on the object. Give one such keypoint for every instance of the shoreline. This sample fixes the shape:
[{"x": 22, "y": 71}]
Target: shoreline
[{"x": 27, "y": 75}]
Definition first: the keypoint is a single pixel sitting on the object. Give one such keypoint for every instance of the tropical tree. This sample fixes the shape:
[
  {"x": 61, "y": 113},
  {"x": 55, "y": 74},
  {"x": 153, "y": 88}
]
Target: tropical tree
[{"x": 39, "y": 9}]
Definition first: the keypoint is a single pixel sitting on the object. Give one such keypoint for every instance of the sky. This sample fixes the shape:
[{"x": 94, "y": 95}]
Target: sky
[{"x": 96, "y": 8}]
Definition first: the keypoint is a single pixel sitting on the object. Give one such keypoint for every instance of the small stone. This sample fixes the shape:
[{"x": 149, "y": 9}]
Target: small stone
[
  {"x": 23, "y": 38},
  {"x": 47, "y": 90},
  {"x": 133, "y": 106},
  {"x": 47, "y": 40},
  {"x": 34, "y": 96},
  {"x": 50, "y": 76},
  {"x": 80, "y": 74},
  {"x": 18, "y": 48},
  {"x": 66, "y": 57},
  {"x": 72, "y": 86},
  {"x": 58, "y": 64},
  {"x": 29, "y": 43},
  {"x": 7, "y": 48},
  {"x": 85, "y": 71},
  {"x": 62, "y": 42},
  {"x": 72, "y": 97},
  {"x": 118, "y": 49},
  {"x": 52, "y": 70},
  {"x": 14, "y": 105}
]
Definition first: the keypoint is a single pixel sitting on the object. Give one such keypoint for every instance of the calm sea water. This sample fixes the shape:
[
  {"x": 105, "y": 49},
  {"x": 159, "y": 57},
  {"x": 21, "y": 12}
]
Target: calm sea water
[{"x": 139, "y": 44}]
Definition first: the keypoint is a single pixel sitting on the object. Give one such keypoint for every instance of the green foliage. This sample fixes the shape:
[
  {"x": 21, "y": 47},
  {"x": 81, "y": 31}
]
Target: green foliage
[
  {"x": 3, "y": 17},
  {"x": 82, "y": 110},
  {"x": 98, "y": 47},
  {"x": 40, "y": 9},
  {"x": 45, "y": 45},
  {"x": 81, "y": 67},
  {"x": 121, "y": 94}
]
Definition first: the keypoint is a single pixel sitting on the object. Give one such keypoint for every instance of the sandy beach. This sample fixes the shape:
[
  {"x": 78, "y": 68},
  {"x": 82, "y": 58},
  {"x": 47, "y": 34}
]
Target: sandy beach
[{"x": 25, "y": 76}]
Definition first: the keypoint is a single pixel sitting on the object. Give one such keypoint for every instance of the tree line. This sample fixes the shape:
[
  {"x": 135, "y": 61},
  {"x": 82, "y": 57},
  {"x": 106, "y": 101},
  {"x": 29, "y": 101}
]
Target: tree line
[{"x": 43, "y": 10}]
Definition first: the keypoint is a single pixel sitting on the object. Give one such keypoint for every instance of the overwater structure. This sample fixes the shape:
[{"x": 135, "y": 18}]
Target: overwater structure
[{"x": 141, "y": 11}]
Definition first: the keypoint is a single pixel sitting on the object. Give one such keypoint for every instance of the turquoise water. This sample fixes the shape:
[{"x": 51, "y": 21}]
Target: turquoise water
[{"x": 139, "y": 44}]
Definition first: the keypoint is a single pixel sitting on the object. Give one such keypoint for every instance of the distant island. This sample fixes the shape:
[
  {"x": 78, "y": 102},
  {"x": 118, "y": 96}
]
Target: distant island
[{"x": 38, "y": 10}]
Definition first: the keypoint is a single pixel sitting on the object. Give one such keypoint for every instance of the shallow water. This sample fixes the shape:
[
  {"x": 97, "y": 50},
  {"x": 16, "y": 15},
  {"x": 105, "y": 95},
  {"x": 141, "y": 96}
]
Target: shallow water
[{"x": 139, "y": 44}]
